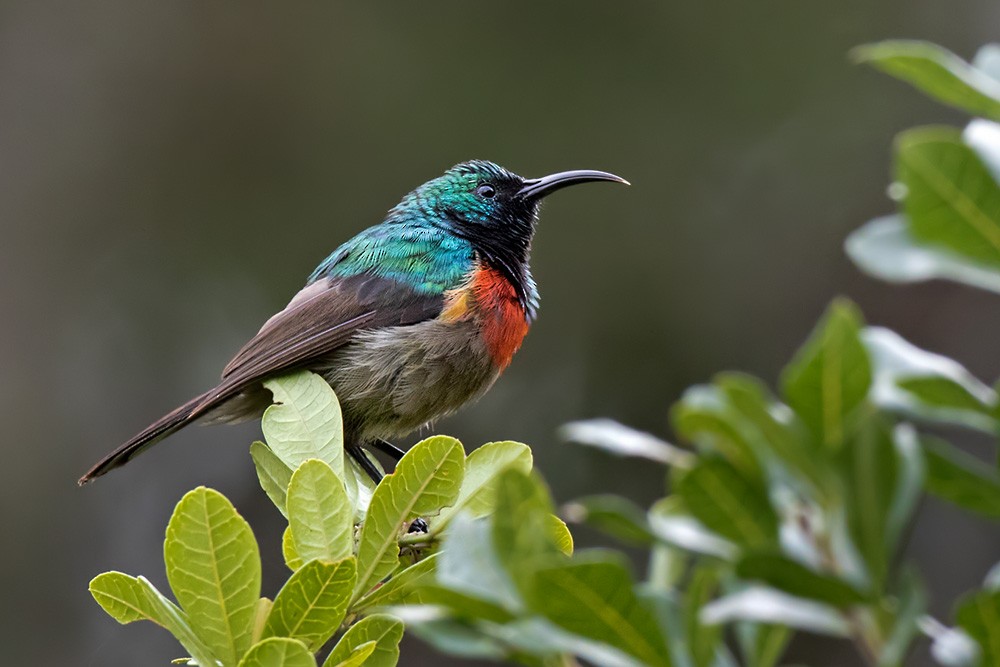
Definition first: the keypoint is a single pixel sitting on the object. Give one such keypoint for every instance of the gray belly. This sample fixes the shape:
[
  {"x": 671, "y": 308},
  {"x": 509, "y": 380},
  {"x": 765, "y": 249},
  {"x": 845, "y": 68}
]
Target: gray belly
[{"x": 393, "y": 381}]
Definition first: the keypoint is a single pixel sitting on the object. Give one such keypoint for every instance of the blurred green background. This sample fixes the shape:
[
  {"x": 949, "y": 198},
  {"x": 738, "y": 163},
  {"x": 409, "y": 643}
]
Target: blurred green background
[{"x": 170, "y": 172}]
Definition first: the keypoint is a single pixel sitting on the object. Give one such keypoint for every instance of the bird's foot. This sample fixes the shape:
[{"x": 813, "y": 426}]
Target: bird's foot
[
  {"x": 360, "y": 457},
  {"x": 389, "y": 449}
]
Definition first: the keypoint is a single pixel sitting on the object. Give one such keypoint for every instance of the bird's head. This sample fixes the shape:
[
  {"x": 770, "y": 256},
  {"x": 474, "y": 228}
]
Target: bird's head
[{"x": 495, "y": 209}]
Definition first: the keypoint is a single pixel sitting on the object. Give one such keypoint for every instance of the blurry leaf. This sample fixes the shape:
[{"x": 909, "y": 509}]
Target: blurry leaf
[
  {"x": 979, "y": 615},
  {"x": 952, "y": 647},
  {"x": 671, "y": 524},
  {"x": 766, "y": 605},
  {"x": 830, "y": 374},
  {"x": 595, "y": 599},
  {"x": 615, "y": 515},
  {"x": 621, "y": 440},
  {"x": 522, "y": 530},
  {"x": 541, "y": 638},
  {"x": 273, "y": 474},
  {"x": 983, "y": 136},
  {"x": 213, "y": 567},
  {"x": 910, "y": 605},
  {"x": 278, "y": 652},
  {"x": 312, "y": 603},
  {"x": 460, "y": 639},
  {"x": 177, "y": 622},
  {"x": 319, "y": 513},
  {"x": 987, "y": 60},
  {"x": 910, "y": 474},
  {"x": 886, "y": 249},
  {"x": 561, "y": 537},
  {"x": 960, "y": 478},
  {"x": 401, "y": 586},
  {"x": 358, "y": 656},
  {"x": 305, "y": 421},
  {"x": 937, "y": 72},
  {"x": 292, "y": 559},
  {"x": 924, "y": 385},
  {"x": 260, "y": 614},
  {"x": 482, "y": 468},
  {"x": 951, "y": 198},
  {"x": 775, "y": 430},
  {"x": 796, "y": 579},
  {"x": 427, "y": 478},
  {"x": 719, "y": 497},
  {"x": 468, "y": 563},
  {"x": 762, "y": 645},
  {"x": 703, "y": 640},
  {"x": 991, "y": 582},
  {"x": 386, "y": 631},
  {"x": 871, "y": 476},
  {"x": 704, "y": 416}
]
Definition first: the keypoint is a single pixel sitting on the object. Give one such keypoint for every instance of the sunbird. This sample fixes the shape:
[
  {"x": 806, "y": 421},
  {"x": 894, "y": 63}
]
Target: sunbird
[{"x": 408, "y": 321}]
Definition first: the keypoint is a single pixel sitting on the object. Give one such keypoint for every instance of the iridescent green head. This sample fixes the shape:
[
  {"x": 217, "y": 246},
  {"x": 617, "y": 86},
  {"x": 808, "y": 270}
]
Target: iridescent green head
[{"x": 493, "y": 208}]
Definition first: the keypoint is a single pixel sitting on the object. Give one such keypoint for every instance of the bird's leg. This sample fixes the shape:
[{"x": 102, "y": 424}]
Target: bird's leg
[
  {"x": 389, "y": 449},
  {"x": 361, "y": 458}
]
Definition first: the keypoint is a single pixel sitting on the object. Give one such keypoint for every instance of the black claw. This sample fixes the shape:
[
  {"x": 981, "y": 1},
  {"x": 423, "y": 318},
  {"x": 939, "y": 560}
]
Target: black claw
[{"x": 417, "y": 526}]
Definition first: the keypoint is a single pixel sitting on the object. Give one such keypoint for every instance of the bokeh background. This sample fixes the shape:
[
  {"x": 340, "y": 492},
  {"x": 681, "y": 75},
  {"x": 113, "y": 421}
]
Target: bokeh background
[{"x": 170, "y": 172}]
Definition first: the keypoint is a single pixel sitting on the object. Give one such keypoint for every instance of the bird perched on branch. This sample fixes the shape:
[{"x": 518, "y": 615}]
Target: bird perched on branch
[{"x": 407, "y": 321}]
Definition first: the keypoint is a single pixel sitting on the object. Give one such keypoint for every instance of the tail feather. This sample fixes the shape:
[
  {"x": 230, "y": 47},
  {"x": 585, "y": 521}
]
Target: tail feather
[{"x": 152, "y": 434}]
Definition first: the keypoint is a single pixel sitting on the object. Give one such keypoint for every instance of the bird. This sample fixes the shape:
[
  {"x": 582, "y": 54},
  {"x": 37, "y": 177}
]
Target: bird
[{"x": 407, "y": 321}]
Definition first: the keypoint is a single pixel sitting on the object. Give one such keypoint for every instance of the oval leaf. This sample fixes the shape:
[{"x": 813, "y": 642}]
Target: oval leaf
[
  {"x": 725, "y": 502},
  {"x": 960, "y": 478},
  {"x": 311, "y": 605},
  {"x": 937, "y": 72},
  {"x": 797, "y": 579},
  {"x": 278, "y": 652},
  {"x": 478, "y": 493},
  {"x": 830, "y": 375},
  {"x": 213, "y": 567},
  {"x": 320, "y": 515},
  {"x": 305, "y": 422},
  {"x": 273, "y": 474},
  {"x": 426, "y": 479},
  {"x": 386, "y": 631}
]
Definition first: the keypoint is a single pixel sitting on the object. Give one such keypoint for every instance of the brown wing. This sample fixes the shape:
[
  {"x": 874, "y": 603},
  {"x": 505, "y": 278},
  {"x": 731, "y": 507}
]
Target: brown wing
[{"x": 321, "y": 318}]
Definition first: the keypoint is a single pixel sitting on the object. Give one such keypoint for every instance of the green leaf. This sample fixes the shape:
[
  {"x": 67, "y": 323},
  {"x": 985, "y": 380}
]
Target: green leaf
[
  {"x": 910, "y": 605},
  {"x": 759, "y": 604},
  {"x": 719, "y": 497},
  {"x": 960, "y": 478},
  {"x": 260, "y": 614},
  {"x": 273, "y": 474},
  {"x": 213, "y": 567},
  {"x": 979, "y": 615},
  {"x": 705, "y": 416},
  {"x": 292, "y": 559},
  {"x": 951, "y": 198},
  {"x": 305, "y": 422},
  {"x": 830, "y": 375},
  {"x": 386, "y": 631},
  {"x": 621, "y": 440},
  {"x": 762, "y": 645},
  {"x": 614, "y": 515},
  {"x": 469, "y": 563},
  {"x": 672, "y": 524},
  {"x": 885, "y": 248},
  {"x": 561, "y": 537},
  {"x": 319, "y": 514},
  {"x": 703, "y": 640},
  {"x": 278, "y": 652},
  {"x": 482, "y": 469},
  {"x": 401, "y": 587},
  {"x": 522, "y": 525},
  {"x": 927, "y": 386},
  {"x": 177, "y": 623},
  {"x": 122, "y": 597},
  {"x": 796, "y": 579},
  {"x": 358, "y": 655},
  {"x": 937, "y": 72},
  {"x": 426, "y": 479},
  {"x": 312, "y": 603},
  {"x": 595, "y": 599}
]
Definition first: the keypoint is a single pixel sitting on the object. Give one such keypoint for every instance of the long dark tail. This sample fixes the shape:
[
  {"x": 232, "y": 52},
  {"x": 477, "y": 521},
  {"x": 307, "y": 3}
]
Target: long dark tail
[{"x": 152, "y": 434}]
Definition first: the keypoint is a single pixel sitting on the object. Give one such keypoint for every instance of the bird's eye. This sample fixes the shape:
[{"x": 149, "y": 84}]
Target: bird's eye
[{"x": 486, "y": 191}]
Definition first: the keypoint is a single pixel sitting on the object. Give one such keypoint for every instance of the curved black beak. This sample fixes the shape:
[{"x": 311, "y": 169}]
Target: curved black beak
[{"x": 536, "y": 188}]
